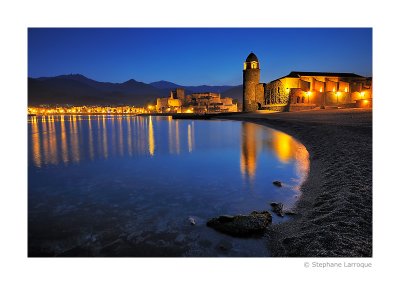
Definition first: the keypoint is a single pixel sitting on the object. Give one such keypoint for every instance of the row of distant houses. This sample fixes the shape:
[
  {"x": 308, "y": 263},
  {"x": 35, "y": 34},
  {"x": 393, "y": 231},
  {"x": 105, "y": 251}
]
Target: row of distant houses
[{"x": 198, "y": 103}]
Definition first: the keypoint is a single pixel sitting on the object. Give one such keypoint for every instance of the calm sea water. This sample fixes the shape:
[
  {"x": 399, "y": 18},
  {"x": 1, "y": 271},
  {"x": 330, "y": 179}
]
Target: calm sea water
[{"x": 127, "y": 185}]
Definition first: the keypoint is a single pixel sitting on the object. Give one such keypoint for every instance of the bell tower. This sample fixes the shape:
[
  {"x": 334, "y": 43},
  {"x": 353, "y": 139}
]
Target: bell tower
[{"x": 251, "y": 78}]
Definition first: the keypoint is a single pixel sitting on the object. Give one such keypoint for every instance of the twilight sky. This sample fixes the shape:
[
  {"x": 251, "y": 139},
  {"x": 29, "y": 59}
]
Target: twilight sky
[{"x": 195, "y": 56}]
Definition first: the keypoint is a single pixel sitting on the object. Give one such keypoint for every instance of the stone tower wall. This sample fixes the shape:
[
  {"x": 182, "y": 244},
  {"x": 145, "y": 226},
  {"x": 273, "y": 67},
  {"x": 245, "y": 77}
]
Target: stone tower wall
[
  {"x": 251, "y": 78},
  {"x": 260, "y": 98}
]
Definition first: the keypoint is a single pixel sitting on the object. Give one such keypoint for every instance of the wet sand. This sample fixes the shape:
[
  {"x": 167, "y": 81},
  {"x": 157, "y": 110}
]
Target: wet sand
[{"x": 334, "y": 213}]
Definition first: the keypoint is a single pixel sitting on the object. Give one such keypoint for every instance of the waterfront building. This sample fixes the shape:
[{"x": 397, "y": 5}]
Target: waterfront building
[
  {"x": 303, "y": 90},
  {"x": 199, "y": 103}
]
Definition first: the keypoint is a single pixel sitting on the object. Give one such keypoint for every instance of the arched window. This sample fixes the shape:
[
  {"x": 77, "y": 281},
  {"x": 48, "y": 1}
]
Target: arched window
[
  {"x": 278, "y": 90},
  {"x": 302, "y": 99},
  {"x": 298, "y": 99}
]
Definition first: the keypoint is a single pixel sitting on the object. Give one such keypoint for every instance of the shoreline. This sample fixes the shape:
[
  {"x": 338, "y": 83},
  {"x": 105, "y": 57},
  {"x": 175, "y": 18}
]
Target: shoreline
[{"x": 334, "y": 212}]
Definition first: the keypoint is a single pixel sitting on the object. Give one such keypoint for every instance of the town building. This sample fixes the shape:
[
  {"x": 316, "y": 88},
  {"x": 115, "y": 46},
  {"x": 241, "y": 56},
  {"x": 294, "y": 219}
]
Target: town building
[
  {"x": 199, "y": 103},
  {"x": 303, "y": 90}
]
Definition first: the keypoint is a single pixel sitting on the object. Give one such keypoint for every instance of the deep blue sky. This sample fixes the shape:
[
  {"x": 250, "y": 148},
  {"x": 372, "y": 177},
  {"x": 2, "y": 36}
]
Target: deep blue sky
[{"x": 195, "y": 56}]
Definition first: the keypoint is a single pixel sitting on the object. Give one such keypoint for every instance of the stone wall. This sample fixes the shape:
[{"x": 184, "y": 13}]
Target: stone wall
[
  {"x": 330, "y": 86},
  {"x": 319, "y": 86},
  {"x": 251, "y": 78},
  {"x": 276, "y": 93},
  {"x": 260, "y": 94}
]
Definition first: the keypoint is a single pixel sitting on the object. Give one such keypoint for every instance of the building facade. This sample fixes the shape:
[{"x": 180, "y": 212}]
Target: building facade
[
  {"x": 200, "y": 103},
  {"x": 303, "y": 90}
]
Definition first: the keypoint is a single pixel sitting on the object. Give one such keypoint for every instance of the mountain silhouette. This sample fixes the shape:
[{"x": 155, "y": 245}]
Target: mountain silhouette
[{"x": 77, "y": 89}]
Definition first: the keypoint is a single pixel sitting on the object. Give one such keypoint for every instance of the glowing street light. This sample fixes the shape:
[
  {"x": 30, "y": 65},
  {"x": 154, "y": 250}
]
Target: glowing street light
[
  {"x": 308, "y": 94},
  {"x": 362, "y": 94}
]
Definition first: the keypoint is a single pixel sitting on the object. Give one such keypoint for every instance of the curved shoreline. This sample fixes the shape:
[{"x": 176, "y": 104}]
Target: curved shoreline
[{"x": 335, "y": 210}]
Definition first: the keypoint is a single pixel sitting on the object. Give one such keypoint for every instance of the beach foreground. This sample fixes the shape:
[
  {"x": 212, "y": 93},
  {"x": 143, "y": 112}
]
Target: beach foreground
[{"x": 334, "y": 214}]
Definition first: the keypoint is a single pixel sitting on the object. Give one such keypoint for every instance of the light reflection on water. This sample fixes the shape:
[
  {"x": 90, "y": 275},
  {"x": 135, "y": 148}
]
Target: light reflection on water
[
  {"x": 54, "y": 142},
  {"x": 132, "y": 170}
]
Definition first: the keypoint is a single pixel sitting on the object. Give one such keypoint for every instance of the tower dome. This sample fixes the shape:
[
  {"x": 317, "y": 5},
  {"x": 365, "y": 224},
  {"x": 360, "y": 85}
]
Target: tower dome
[
  {"x": 251, "y": 57},
  {"x": 251, "y": 62}
]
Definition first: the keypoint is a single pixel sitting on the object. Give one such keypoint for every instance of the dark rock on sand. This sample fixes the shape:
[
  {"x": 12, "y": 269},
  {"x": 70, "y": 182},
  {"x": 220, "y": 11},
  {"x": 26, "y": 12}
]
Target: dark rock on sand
[
  {"x": 241, "y": 225},
  {"x": 277, "y": 183},
  {"x": 277, "y": 208},
  {"x": 290, "y": 213}
]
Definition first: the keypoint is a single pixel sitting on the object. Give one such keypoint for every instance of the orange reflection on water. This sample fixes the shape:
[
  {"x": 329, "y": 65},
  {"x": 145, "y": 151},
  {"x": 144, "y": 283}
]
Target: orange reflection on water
[
  {"x": 190, "y": 147},
  {"x": 64, "y": 145},
  {"x": 105, "y": 146},
  {"x": 120, "y": 137},
  {"x": 302, "y": 162},
  {"x": 177, "y": 139},
  {"x": 129, "y": 134},
  {"x": 74, "y": 139},
  {"x": 151, "y": 137},
  {"x": 285, "y": 148},
  {"x": 249, "y": 150},
  {"x": 45, "y": 141},
  {"x": 52, "y": 137},
  {"x": 91, "y": 148},
  {"x": 170, "y": 138},
  {"x": 288, "y": 149},
  {"x": 113, "y": 140},
  {"x": 36, "y": 155}
]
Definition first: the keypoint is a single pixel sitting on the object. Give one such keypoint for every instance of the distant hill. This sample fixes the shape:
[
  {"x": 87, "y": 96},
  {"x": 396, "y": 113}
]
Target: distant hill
[
  {"x": 191, "y": 89},
  {"x": 235, "y": 92},
  {"x": 165, "y": 85},
  {"x": 76, "y": 89}
]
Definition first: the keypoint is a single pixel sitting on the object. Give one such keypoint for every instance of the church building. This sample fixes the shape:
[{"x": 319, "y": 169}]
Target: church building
[{"x": 301, "y": 90}]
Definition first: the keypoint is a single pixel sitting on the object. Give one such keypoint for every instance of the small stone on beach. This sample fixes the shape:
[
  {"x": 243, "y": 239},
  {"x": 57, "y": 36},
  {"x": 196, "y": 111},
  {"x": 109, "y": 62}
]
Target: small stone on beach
[
  {"x": 277, "y": 208},
  {"x": 277, "y": 183},
  {"x": 241, "y": 225}
]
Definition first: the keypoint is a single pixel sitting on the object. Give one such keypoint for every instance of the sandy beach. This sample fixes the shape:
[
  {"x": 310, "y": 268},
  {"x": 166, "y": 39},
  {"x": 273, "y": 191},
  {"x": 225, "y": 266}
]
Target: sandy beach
[{"x": 334, "y": 213}]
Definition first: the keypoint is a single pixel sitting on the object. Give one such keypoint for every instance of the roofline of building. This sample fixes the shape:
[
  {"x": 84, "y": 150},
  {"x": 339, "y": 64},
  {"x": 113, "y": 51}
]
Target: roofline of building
[{"x": 292, "y": 74}]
